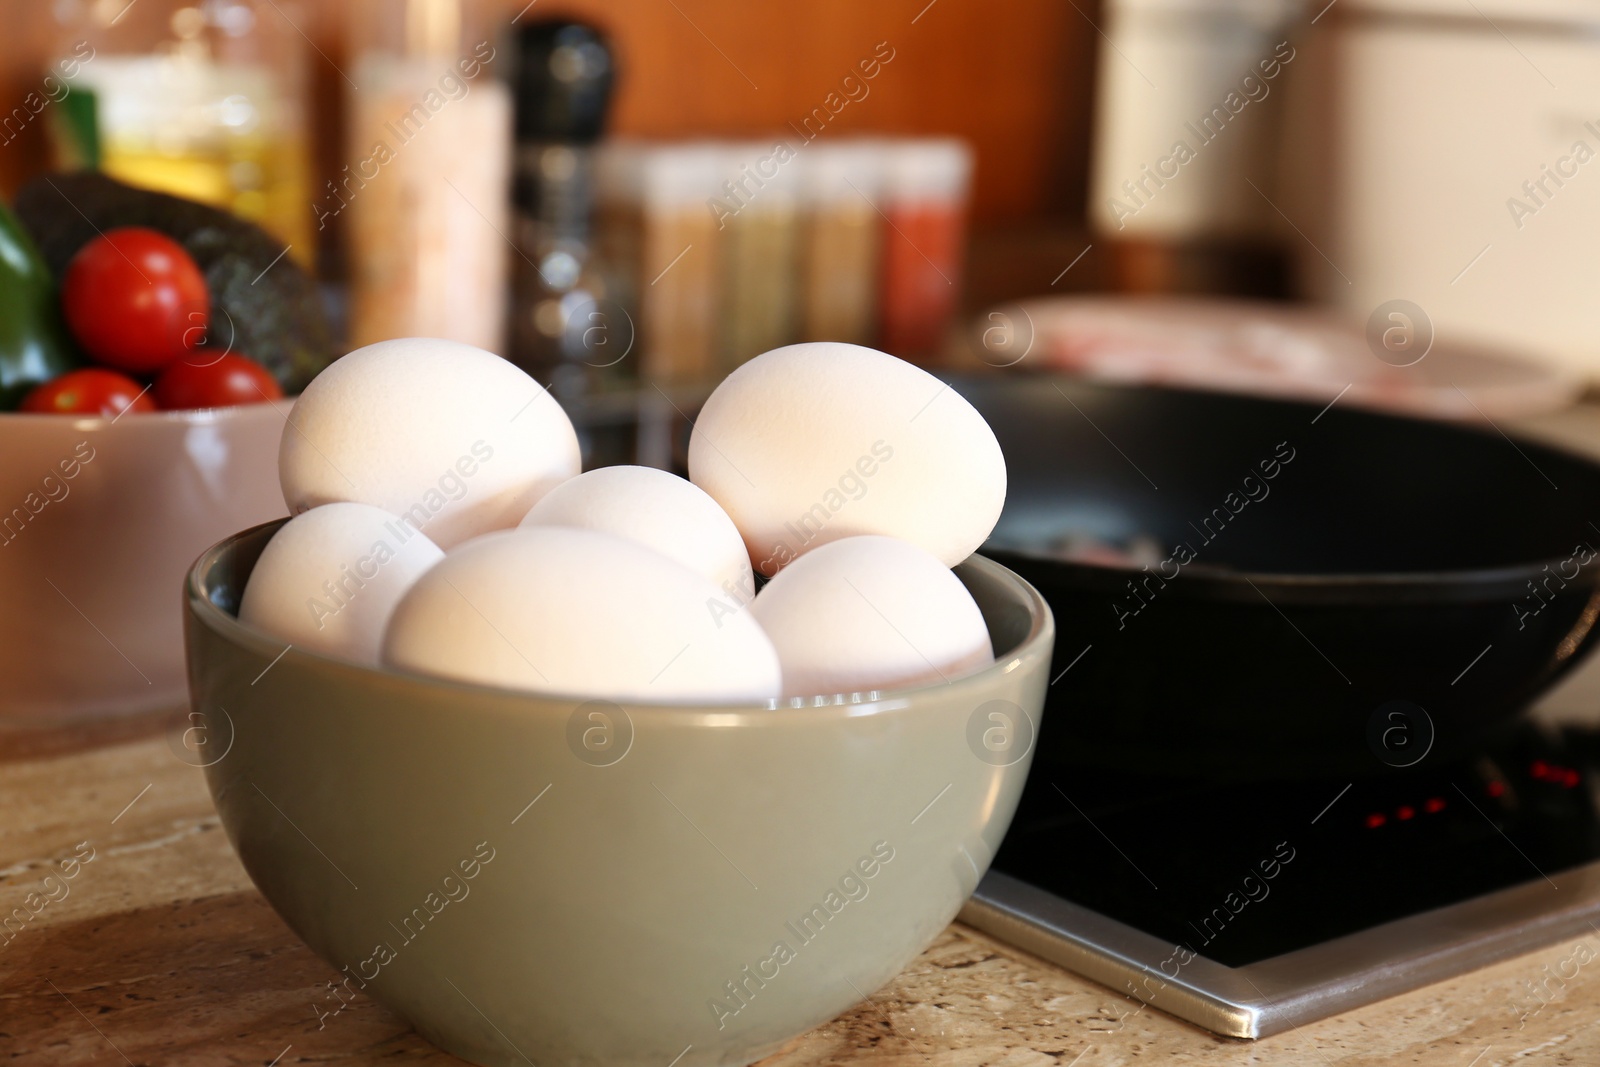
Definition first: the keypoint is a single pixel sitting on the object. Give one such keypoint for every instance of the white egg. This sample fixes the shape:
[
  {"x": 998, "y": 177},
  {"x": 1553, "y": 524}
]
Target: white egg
[
  {"x": 330, "y": 577},
  {"x": 659, "y": 510},
  {"x": 451, "y": 437},
  {"x": 813, "y": 442},
  {"x": 584, "y": 614},
  {"x": 869, "y": 613}
]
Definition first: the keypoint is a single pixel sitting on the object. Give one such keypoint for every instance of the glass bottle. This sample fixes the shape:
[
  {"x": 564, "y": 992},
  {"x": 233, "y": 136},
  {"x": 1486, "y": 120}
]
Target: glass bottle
[
  {"x": 203, "y": 99},
  {"x": 425, "y": 189}
]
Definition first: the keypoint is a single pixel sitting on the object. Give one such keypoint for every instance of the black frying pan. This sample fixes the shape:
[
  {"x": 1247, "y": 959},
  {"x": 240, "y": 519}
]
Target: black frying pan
[{"x": 1386, "y": 565}]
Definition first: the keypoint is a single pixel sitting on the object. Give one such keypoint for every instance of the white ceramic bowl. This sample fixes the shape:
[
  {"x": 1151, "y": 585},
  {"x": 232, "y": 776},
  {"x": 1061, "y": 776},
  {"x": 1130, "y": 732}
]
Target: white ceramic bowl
[{"x": 100, "y": 519}]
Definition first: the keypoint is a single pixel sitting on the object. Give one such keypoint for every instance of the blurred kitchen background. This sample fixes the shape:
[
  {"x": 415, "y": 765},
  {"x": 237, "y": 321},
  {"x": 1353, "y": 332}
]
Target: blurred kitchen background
[
  {"x": 631, "y": 198},
  {"x": 1372, "y": 202}
]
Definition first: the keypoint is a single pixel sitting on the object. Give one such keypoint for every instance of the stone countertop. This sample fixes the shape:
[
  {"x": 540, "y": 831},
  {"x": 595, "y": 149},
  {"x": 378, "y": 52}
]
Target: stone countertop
[{"x": 161, "y": 952}]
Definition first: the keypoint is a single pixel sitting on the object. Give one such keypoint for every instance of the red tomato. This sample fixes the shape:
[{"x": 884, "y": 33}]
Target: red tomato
[
  {"x": 135, "y": 300},
  {"x": 214, "y": 382},
  {"x": 90, "y": 391}
]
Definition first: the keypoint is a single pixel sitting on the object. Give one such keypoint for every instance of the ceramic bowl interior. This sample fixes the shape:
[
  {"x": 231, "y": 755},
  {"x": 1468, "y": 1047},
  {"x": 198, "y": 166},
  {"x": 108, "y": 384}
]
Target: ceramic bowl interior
[
  {"x": 554, "y": 880},
  {"x": 100, "y": 518}
]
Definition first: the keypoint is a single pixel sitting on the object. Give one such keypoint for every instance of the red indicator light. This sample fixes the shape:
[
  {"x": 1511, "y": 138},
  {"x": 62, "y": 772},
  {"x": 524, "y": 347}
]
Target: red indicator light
[
  {"x": 1434, "y": 805},
  {"x": 1495, "y": 788},
  {"x": 1375, "y": 820},
  {"x": 1406, "y": 811},
  {"x": 1565, "y": 777}
]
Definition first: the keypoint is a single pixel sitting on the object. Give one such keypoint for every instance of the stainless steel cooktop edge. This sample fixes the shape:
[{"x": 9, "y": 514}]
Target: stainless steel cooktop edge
[{"x": 1287, "y": 991}]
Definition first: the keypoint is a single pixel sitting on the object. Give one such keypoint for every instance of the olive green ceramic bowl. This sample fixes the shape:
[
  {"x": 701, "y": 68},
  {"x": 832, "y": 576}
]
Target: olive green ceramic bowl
[{"x": 555, "y": 881}]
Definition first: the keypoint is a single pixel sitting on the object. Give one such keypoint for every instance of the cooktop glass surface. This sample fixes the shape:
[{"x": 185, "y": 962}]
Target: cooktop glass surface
[{"x": 1240, "y": 873}]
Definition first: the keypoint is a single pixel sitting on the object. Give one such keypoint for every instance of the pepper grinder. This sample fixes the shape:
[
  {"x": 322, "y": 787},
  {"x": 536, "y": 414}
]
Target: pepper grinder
[{"x": 565, "y": 330}]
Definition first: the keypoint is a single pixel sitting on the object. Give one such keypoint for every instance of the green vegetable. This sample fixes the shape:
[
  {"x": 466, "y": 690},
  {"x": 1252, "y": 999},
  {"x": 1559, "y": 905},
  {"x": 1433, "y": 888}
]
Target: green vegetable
[
  {"x": 75, "y": 126},
  {"x": 33, "y": 342}
]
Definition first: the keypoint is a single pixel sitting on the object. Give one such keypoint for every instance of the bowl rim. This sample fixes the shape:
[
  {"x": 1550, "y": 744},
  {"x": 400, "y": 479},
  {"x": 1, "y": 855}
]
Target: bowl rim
[
  {"x": 1211, "y": 582},
  {"x": 182, "y": 416},
  {"x": 1037, "y": 645}
]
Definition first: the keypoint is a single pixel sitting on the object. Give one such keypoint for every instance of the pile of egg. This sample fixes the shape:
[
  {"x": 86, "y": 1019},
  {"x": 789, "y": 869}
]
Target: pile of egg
[{"x": 441, "y": 526}]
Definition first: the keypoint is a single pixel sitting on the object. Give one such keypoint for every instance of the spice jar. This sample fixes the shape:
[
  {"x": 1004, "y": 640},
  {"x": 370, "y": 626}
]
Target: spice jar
[
  {"x": 840, "y": 237},
  {"x": 924, "y": 203},
  {"x": 758, "y": 211},
  {"x": 679, "y": 251}
]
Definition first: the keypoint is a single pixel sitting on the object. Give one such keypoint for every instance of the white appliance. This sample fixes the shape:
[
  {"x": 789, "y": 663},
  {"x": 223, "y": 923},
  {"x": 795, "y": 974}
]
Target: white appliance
[
  {"x": 1447, "y": 152},
  {"x": 1187, "y": 117}
]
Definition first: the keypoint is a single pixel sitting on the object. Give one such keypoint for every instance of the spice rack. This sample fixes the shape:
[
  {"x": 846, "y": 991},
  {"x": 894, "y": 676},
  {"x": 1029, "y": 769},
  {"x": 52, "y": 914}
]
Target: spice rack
[{"x": 713, "y": 252}]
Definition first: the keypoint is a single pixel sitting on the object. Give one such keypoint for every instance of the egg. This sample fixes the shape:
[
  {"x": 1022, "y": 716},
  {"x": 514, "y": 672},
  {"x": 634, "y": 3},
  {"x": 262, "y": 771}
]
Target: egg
[
  {"x": 450, "y": 437},
  {"x": 870, "y": 612},
  {"x": 659, "y": 510},
  {"x": 810, "y": 443},
  {"x": 584, "y": 614},
  {"x": 330, "y": 577}
]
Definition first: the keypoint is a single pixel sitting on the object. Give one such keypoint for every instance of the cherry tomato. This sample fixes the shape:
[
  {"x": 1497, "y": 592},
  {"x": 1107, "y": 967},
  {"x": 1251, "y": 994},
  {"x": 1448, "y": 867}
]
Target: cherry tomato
[
  {"x": 205, "y": 381},
  {"x": 90, "y": 391},
  {"x": 135, "y": 300}
]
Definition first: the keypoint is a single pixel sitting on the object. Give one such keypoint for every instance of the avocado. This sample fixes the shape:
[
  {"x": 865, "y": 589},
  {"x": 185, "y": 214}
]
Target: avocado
[
  {"x": 33, "y": 341},
  {"x": 275, "y": 312}
]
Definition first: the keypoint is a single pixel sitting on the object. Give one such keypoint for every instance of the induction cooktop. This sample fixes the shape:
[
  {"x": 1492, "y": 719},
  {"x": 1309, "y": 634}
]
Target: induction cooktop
[{"x": 1250, "y": 908}]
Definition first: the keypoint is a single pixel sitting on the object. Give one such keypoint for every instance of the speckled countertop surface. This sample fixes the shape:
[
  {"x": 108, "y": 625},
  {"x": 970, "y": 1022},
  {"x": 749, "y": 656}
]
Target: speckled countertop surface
[{"x": 163, "y": 953}]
